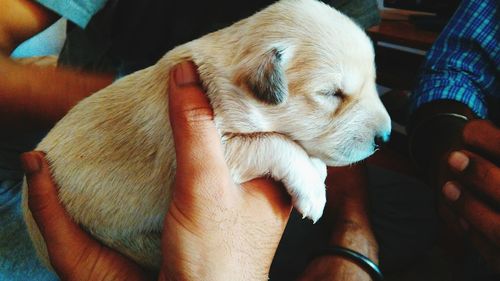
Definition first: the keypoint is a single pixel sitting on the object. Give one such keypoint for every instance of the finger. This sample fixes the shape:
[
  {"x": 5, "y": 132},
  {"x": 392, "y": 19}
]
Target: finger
[
  {"x": 474, "y": 211},
  {"x": 62, "y": 235},
  {"x": 197, "y": 143},
  {"x": 484, "y": 136},
  {"x": 478, "y": 173}
]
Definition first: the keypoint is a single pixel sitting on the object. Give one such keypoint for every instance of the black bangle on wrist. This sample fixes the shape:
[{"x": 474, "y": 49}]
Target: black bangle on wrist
[
  {"x": 437, "y": 133},
  {"x": 363, "y": 261}
]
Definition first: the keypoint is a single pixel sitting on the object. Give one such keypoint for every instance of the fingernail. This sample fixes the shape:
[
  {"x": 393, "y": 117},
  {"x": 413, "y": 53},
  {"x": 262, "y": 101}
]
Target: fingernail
[
  {"x": 185, "y": 74},
  {"x": 458, "y": 161},
  {"x": 451, "y": 191},
  {"x": 31, "y": 162}
]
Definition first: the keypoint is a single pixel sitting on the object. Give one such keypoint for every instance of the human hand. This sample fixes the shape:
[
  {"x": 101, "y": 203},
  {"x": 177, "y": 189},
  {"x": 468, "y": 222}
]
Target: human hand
[
  {"x": 471, "y": 189},
  {"x": 214, "y": 229},
  {"x": 73, "y": 253}
]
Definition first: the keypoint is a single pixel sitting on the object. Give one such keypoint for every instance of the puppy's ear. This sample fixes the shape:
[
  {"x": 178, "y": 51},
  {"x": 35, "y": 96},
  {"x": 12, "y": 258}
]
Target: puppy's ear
[{"x": 265, "y": 77}]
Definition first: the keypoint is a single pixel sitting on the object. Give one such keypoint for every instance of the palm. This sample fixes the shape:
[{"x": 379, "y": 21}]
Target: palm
[{"x": 207, "y": 220}]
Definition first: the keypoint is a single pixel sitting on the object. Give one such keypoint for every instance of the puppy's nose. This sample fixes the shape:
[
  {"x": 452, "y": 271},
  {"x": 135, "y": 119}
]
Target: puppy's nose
[{"x": 380, "y": 139}]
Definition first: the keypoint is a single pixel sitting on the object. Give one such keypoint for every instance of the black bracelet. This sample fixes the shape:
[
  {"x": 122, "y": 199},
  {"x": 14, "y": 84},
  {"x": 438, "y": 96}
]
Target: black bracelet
[
  {"x": 422, "y": 138},
  {"x": 364, "y": 262}
]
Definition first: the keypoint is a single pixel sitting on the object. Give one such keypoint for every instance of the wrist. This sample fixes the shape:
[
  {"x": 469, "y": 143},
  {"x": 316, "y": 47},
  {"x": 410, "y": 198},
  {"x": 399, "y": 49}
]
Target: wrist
[
  {"x": 331, "y": 263},
  {"x": 356, "y": 236},
  {"x": 197, "y": 259},
  {"x": 215, "y": 270}
]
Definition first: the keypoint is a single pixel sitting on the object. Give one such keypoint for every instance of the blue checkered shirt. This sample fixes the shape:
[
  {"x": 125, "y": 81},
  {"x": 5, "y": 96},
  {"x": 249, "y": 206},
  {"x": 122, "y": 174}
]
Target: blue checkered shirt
[{"x": 464, "y": 62}]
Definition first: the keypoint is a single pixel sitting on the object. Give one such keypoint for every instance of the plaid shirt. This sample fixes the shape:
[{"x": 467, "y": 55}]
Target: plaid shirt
[{"x": 464, "y": 62}]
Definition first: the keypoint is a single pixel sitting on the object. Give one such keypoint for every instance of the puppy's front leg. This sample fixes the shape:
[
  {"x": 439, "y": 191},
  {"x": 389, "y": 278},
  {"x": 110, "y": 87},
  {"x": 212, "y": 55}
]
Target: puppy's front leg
[{"x": 254, "y": 155}]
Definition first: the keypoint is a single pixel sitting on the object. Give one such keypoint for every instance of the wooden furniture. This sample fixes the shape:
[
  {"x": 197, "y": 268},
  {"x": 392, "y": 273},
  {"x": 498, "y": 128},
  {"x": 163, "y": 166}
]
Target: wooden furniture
[
  {"x": 400, "y": 49},
  {"x": 402, "y": 32}
]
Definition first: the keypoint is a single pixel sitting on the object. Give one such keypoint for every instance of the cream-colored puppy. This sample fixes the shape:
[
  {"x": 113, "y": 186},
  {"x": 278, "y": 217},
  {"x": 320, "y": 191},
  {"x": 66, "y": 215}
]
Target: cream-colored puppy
[{"x": 292, "y": 88}]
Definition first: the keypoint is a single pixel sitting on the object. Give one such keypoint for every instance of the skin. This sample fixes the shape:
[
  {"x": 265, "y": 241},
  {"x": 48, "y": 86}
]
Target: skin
[
  {"x": 33, "y": 97},
  {"x": 471, "y": 189},
  {"x": 346, "y": 220},
  {"x": 468, "y": 179},
  {"x": 21, "y": 19}
]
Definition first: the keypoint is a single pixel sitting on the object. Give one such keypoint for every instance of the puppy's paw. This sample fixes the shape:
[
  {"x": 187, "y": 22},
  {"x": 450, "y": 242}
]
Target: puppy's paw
[
  {"x": 310, "y": 204},
  {"x": 308, "y": 189}
]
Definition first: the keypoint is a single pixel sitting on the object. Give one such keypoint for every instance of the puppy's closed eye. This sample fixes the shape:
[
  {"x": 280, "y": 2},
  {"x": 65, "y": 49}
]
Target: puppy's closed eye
[{"x": 337, "y": 93}]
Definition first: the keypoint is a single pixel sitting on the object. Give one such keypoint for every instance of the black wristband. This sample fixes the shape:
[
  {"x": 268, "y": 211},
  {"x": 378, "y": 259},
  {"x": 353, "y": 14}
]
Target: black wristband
[
  {"x": 364, "y": 262},
  {"x": 436, "y": 134}
]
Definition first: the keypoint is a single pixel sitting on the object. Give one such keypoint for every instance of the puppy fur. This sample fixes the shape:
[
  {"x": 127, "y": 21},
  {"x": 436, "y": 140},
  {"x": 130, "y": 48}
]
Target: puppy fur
[{"x": 292, "y": 88}]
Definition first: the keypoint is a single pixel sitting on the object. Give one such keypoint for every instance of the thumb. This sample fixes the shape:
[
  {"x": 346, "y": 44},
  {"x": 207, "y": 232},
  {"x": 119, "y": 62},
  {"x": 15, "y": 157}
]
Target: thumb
[{"x": 197, "y": 143}]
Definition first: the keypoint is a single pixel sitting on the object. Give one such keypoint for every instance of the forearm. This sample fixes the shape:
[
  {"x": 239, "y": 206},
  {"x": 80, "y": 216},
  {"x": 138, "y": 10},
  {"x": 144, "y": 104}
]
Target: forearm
[
  {"x": 346, "y": 214},
  {"x": 347, "y": 195},
  {"x": 346, "y": 221},
  {"x": 37, "y": 97}
]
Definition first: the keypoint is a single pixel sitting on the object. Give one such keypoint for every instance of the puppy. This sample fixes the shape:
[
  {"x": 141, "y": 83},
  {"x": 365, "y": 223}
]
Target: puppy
[{"x": 297, "y": 79}]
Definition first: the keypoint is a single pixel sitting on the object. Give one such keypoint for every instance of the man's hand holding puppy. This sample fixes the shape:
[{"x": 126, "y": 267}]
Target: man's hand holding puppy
[
  {"x": 213, "y": 230},
  {"x": 471, "y": 189}
]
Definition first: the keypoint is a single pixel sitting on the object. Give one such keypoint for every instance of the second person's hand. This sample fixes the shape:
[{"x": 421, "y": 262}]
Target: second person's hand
[{"x": 472, "y": 189}]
